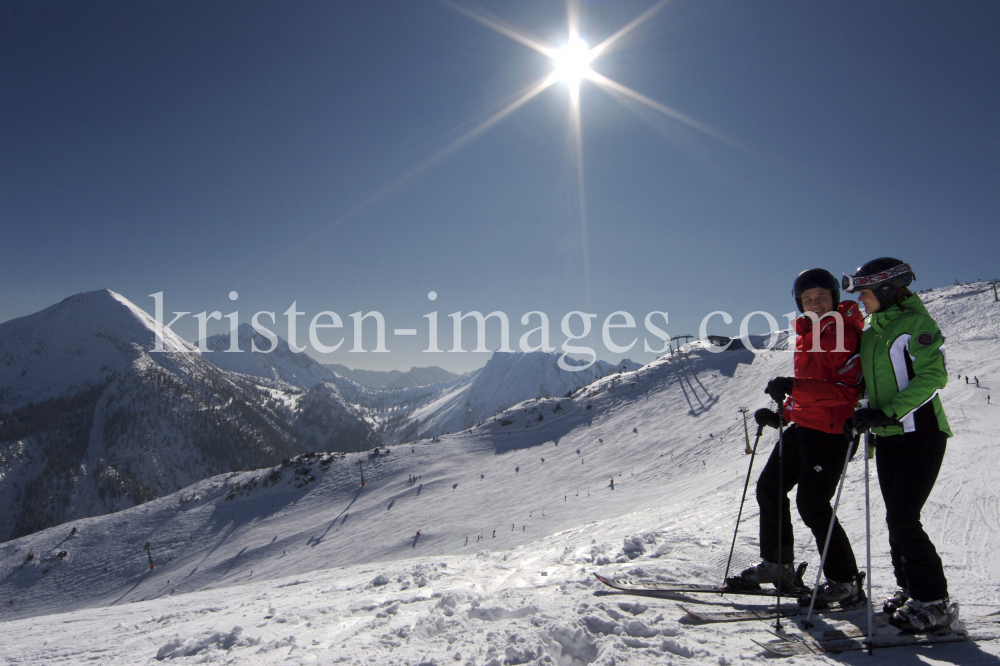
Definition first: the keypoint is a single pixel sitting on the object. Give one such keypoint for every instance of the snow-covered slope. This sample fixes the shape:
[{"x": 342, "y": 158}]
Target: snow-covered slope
[
  {"x": 92, "y": 420},
  {"x": 478, "y": 549},
  {"x": 282, "y": 364},
  {"x": 79, "y": 342},
  {"x": 300, "y": 370},
  {"x": 326, "y": 422},
  {"x": 384, "y": 407},
  {"x": 505, "y": 380}
]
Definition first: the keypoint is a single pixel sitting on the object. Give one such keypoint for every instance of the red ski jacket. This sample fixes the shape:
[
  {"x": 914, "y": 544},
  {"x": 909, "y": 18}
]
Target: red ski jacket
[{"x": 828, "y": 383}]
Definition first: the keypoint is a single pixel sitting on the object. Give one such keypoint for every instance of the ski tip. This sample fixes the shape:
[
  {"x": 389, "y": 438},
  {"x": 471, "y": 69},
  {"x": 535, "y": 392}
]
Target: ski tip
[
  {"x": 782, "y": 651},
  {"x": 690, "y": 613}
]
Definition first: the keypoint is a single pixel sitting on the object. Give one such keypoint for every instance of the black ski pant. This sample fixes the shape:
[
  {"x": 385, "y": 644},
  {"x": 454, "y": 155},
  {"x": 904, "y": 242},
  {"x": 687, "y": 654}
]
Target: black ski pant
[
  {"x": 814, "y": 460},
  {"x": 908, "y": 466}
]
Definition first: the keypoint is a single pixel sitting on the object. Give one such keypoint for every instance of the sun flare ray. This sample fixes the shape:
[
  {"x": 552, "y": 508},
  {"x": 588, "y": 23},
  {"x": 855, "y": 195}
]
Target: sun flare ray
[
  {"x": 531, "y": 91},
  {"x": 632, "y": 25},
  {"x": 573, "y": 17},
  {"x": 498, "y": 26},
  {"x": 572, "y": 65},
  {"x": 577, "y": 127},
  {"x": 607, "y": 83},
  {"x": 453, "y": 147}
]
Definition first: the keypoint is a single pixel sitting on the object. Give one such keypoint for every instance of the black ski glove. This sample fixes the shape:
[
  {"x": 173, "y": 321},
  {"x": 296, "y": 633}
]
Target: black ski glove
[
  {"x": 767, "y": 417},
  {"x": 778, "y": 388},
  {"x": 855, "y": 441},
  {"x": 864, "y": 419}
]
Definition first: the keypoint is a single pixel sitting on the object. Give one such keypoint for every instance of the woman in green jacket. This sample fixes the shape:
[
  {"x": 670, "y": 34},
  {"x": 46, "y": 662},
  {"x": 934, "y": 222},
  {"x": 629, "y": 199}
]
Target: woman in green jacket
[{"x": 902, "y": 358}]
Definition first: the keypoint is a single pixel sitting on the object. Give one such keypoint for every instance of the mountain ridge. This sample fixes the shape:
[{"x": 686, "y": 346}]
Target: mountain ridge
[
  {"x": 93, "y": 420},
  {"x": 389, "y": 379}
]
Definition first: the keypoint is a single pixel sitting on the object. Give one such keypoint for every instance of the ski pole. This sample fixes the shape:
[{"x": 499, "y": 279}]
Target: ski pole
[
  {"x": 753, "y": 454},
  {"x": 746, "y": 431},
  {"x": 868, "y": 542},
  {"x": 829, "y": 532},
  {"x": 781, "y": 474}
]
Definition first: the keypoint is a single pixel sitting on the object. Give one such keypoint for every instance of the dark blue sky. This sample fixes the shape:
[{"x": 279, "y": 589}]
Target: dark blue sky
[{"x": 201, "y": 147}]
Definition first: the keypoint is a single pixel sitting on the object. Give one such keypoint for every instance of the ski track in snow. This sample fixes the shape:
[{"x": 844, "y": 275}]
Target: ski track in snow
[{"x": 331, "y": 572}]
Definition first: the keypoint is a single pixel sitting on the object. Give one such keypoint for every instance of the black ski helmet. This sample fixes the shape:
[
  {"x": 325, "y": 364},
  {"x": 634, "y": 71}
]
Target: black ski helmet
[
  {"x": 816, "y": 277},
  {"x": 883, "y": 276}
]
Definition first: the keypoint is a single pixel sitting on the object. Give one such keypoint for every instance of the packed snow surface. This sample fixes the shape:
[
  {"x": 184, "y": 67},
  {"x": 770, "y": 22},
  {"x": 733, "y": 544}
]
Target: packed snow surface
[{"x": 479, "y": 548}]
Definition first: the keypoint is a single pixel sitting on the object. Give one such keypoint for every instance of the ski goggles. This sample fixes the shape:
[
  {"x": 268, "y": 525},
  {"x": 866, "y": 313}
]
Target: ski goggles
[{"x": 855, "y": 283}]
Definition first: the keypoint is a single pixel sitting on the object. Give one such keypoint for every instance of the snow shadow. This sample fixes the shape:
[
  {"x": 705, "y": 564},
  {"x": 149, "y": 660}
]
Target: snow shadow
[
  {"x": 690, "y": 391},
  {"x": 505, "y": 441},
  {"x": 961, "y": 653},
  {"x": 233, "y": 560},
  {"x": 502, "y": 445},
  {"x": 727, "y": 362},
  {"x": 698, "y": 397},
  {"x": 315, "y": 541}
]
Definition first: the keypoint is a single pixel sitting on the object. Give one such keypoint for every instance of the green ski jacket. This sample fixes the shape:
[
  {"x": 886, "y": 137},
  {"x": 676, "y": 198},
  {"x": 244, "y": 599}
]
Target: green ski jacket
[{"x": 902, "y": 357}]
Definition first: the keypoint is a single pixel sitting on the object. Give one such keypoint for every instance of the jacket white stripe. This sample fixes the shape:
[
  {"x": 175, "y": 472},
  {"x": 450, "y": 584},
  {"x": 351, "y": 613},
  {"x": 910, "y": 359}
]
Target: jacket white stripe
[
  {"x": 896, "y": 356},
  {"x": 909, "y": 414}
]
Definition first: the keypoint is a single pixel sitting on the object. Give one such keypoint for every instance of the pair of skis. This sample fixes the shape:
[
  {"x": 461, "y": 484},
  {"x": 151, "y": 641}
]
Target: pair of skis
[
  {"x": 789, "y": 645},
  {"x": 756, "y": 613},
  {"x": 986, "y": 628},
  {"x": 650, "y": 589},
  {"x": 668, "y": 590}
]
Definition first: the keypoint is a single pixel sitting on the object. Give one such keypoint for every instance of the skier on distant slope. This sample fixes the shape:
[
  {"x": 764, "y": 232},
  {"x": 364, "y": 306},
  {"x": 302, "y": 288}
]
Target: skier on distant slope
[
  {"x": 821, "y": 396},
  {"x": 902, "y": 354}
]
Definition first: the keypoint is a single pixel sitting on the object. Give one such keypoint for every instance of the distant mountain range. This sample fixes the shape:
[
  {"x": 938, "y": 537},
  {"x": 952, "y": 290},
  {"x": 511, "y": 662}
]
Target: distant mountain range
[
  {"x": 390, "y": 379},
  {"x": 93, "y": 421},
  {"x": 506, "y": 380},
  {"x": 408, "y": 413}
]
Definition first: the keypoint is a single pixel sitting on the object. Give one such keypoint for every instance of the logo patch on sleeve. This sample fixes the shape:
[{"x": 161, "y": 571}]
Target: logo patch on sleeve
[{"x": 925, "y": 339}]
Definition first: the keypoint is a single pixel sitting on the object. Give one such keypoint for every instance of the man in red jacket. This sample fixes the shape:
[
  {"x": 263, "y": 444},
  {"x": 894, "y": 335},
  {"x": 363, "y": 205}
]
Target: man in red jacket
[{"x": 821, "y": 396}]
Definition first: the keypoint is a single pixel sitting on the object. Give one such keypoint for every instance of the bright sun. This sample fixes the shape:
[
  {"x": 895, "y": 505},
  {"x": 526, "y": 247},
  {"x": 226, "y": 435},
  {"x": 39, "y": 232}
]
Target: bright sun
[
  {"x": 572, "y": 65},
  {"x": 573, "y": 61}
]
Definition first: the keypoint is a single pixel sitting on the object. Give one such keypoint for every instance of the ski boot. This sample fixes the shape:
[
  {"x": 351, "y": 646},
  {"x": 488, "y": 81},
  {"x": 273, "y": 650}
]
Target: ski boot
[
  {"x": 925, "y": 617},
  {"x": 896, "y": 601},
  {"x": 785, "y": 576},
  {"x": 843, "y": 595}
]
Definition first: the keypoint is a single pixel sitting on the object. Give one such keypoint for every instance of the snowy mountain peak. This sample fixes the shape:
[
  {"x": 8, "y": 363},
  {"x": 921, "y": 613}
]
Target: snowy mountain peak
[
  {"x": 77, "y": 342},
  {"x": 280, "y": 364},
  {"x": 507, "y": 379}
]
